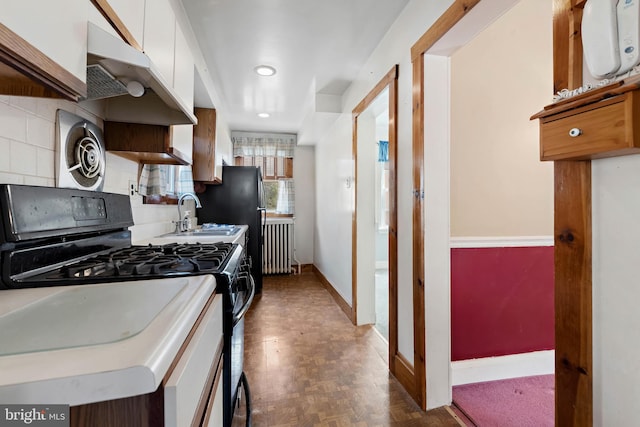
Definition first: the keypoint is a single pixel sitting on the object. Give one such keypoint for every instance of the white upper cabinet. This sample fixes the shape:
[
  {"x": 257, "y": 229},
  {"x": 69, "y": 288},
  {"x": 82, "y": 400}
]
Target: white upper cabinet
[
  {"x": 97, "y": 18},
  {"x": 184, "y": 68},
  {"x": 182, "y": 141},
  {"x": 131, "y": 13},
  {"x": 159, "y": 36},
  {"x": 58, "y": 29}
]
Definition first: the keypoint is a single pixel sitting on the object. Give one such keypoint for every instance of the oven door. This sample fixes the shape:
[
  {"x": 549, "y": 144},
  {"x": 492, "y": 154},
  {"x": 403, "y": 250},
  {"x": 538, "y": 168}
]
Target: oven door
[
  {"x": 244, "y": 297},
  {"x": 243, "y": 302}
]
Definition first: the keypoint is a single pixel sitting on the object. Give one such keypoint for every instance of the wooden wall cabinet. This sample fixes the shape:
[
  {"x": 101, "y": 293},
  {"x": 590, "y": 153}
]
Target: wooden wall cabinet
[
  {"x": 593, "y": 125},
  {"x": 145, "y": 144},
  {"x": 204, "y": 147}
]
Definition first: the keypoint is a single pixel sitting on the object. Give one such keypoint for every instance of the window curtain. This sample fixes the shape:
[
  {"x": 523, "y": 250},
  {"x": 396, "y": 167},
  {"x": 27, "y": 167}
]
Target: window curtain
[
  {"x": 265, "y": 145},
  {"x": 183, "y": 180},
  {"x": 383, "y": 151},
  {"x": 286, "y": 197},
  {"x": 165, "y": 180},
  {"x": 152, "y": 180}
]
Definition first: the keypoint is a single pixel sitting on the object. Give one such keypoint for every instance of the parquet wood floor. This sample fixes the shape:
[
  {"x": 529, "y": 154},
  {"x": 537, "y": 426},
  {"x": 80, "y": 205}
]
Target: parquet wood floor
[{"x": 307, "y": 365}]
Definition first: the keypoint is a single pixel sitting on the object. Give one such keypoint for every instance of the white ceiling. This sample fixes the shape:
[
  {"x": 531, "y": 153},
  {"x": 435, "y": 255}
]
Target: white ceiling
[{"x": 317, "y": 47}]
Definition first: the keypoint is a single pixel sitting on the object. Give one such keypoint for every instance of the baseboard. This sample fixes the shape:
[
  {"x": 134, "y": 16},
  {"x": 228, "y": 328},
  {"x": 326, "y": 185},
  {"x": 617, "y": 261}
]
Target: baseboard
[
  {"x": 404, "y": 373},
  {"x": 305, "y": 268},
  {"x": 346, "y": 308},
  {"x": 503, "y": 367}
]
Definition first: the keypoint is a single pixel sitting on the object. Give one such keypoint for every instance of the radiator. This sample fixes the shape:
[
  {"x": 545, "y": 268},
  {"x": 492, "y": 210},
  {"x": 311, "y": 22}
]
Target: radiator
[{"x": 277, "y": 252}]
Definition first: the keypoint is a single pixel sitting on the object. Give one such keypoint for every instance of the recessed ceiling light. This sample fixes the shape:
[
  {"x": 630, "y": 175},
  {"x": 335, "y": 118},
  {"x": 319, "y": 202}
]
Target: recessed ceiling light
[
  {"x": 263, "y": 115},
  {"x": 265, "y": 70}
]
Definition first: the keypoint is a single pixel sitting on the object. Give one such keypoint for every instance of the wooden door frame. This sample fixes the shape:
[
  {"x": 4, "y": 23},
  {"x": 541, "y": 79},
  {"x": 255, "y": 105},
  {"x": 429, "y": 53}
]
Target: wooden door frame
[
  {"x": 390, "y": 80},
  {"x": 573, "y": 241},
  {"x": 572, "y": 224},
  {"x": 446, "y": 21}
]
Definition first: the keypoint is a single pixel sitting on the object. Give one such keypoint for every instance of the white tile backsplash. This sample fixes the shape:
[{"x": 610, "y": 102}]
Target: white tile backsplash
[
  {"x": 41, "y": 132},
  {"x": 11, "y": 178},
  {"x": 119, "y": 171},
  {"x": 13, "y": 123},
  {"x": 5, "y": 155},
  {"x": 92, "y": 111},
  {"x": 45, "y": 163},
  {"x": 27, "y": 156},
  {"x": 46, "y": 108},
  {"x": 36, "y": 180},
  {"x": 23, "y": 158},
  {"x": 25, "y": 103}
]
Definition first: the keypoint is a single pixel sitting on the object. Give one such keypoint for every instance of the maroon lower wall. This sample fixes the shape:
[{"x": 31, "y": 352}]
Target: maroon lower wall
[{"x": 501, "y": 301}]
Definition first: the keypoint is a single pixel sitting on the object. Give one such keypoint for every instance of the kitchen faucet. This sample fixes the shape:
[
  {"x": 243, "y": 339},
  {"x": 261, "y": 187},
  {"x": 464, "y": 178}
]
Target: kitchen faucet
[{"x": 184, "y": 223}]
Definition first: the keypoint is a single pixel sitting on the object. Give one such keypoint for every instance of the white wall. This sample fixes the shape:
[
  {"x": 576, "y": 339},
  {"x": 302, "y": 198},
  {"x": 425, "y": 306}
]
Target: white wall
[
  {"x": 616, "y": 268},
  {"x": 334, "y": 166},
  {"x": 304, "y": 178},
  {"x": 366, "y": 165},
  {"x": 499, "y": 186},
  {"x": 334, "y": 204}
]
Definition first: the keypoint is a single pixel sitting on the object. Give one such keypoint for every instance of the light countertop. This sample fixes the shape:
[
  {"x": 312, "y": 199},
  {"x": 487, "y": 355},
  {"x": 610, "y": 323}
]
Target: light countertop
[{"x": 89, "y": 343}]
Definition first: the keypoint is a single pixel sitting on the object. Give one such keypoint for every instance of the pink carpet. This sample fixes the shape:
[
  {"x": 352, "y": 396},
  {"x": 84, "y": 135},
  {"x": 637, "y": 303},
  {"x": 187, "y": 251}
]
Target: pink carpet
[{"x": 516, "y": 402}]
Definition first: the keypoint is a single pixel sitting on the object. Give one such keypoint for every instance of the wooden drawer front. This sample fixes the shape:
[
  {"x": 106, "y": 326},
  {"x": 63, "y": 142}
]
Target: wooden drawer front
[
  {"x": 184, "y": 388},
  {"x": 604, "y": 131}
]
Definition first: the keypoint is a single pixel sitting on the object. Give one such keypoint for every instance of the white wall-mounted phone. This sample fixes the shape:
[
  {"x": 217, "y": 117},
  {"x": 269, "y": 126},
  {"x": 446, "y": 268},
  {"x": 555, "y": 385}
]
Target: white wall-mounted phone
[{"x": 611, "y": 36}]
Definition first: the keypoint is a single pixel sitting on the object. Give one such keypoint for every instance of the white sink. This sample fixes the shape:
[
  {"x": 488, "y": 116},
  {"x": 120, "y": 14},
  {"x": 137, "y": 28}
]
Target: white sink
[
  {"x": 233, "y": 234},
  {"x": 203, "y": 232},
  {"x": 86, "y": 315}
]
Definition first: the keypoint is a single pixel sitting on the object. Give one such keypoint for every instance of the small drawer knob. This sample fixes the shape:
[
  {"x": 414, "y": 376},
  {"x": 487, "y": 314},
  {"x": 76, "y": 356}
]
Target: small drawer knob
[{"x": 575, "y": 132}]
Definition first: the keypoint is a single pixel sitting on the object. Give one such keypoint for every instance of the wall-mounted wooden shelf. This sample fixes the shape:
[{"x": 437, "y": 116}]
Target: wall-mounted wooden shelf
[
  {"x": 142, "y": 143},
  {"x": 596, "y": 124}
]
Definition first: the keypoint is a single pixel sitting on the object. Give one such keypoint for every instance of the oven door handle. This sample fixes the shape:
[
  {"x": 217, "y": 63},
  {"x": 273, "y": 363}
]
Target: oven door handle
[{"x": 240, "y": 314}]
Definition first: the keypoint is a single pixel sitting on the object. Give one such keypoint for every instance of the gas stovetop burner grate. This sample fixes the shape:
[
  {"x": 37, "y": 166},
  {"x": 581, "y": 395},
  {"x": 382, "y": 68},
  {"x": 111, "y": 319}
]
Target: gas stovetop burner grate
[{"x": 150, "y": 261}]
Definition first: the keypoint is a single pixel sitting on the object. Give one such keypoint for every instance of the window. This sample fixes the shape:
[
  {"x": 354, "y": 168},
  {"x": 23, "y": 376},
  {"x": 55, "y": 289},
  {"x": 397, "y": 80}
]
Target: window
[
  {"x": 278, "y": 185},
  {"x": 270, "y": 195},
  {"x": 273, "y": 154},
  {"x": 164, "y": 184}
]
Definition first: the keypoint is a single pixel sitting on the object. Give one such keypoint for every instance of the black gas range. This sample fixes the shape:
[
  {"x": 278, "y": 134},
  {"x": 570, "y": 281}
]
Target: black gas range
[{"x": 59, "y": 237}]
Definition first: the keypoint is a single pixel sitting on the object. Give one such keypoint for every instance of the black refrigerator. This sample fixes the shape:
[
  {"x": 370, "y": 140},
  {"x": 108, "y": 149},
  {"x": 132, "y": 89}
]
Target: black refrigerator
[{"x": 238, "y": 200}]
